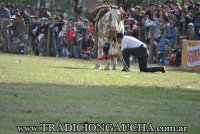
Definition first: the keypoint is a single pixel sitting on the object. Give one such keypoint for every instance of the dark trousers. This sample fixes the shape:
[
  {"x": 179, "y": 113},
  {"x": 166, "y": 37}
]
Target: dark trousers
[{"x": 142, "y": 54}]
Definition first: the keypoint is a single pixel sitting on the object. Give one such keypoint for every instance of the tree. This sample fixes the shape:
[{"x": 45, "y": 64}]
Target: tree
[
  {"x": 77, "y": 8},
  {"x": 21, "y": 2}
]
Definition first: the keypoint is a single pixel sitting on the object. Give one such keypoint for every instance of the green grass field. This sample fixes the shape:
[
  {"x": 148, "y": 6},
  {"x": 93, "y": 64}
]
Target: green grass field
[{"x": 36, "y": 90}]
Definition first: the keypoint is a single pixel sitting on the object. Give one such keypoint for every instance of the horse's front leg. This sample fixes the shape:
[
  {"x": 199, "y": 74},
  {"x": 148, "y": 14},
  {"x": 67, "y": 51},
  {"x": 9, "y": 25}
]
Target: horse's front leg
[{"x": 115, "y": 64}]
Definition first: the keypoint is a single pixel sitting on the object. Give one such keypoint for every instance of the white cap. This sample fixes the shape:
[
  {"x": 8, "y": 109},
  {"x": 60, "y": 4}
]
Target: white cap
[
  {"x": 132, "y": 9},
  {"x": 190, "y": 24}
]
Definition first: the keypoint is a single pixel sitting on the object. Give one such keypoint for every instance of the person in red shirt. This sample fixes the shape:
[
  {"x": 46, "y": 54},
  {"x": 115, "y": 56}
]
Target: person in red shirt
[
  {"x": 91, "y": 29},
  {"x": 71, "y": 33}
]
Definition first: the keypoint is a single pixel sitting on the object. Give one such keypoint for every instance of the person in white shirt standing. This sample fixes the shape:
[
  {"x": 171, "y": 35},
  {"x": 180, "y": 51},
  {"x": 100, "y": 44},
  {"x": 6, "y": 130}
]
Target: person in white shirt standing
[{"x": 132, "y": 46}]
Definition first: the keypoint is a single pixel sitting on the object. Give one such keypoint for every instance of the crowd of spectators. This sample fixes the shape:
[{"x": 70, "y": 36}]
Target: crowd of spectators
[
  {"x": 172, "y": 24},
  {"x": 75, "y": 38},
  {"x": 71, "y": 38}
]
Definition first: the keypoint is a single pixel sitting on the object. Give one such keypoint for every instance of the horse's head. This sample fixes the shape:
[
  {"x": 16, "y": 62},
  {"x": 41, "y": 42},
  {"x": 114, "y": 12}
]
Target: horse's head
[{"x": 116, "y": 17}]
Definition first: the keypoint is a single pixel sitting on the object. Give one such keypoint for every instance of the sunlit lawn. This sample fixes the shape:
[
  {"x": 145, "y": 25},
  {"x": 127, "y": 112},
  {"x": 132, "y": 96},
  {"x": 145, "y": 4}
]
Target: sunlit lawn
[{"x": 35, "y": 90}]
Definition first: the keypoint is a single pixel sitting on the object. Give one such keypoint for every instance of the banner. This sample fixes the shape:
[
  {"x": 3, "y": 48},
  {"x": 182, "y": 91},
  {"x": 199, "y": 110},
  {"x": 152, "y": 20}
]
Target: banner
[{"x": 191, "y": 55}]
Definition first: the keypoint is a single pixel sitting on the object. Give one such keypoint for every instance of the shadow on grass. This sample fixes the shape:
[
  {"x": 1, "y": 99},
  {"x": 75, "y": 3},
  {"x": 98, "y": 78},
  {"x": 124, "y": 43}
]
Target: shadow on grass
[
  {"x": 25, "y": 104},
  {"x": 69, "y": 67},
  {"x": 181, "y": 69}
]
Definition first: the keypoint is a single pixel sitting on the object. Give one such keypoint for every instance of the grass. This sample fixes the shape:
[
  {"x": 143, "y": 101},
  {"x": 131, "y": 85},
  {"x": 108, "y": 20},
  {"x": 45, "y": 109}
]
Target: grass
[{"x": 35, "y": 90}]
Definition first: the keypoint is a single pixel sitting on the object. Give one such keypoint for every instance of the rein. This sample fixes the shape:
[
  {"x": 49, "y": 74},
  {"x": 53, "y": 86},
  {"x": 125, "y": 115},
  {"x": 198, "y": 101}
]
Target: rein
[{"x": 121, "y": 56}]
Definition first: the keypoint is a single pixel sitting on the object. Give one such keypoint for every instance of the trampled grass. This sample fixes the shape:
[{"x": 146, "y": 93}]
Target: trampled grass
[{"x": 36, "y": 90}]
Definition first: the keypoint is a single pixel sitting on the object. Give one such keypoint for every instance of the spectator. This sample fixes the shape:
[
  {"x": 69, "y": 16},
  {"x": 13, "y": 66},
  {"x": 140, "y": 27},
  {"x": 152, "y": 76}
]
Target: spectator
[
  {"x": 34, "y": 33},
  {"x": 70, "y": 39},
  {"x": 74, "y": 44},
  {"x": 65, "y": 47},
  {"x": 45, "y": 13},
  {"x": 190, "y": 4},
  {"x": 165, "y": 55},
  {"x": 190, "y": 34},
  {"x": 4, "y": 12},
  {"x": 79, "y": 27},
  {"x": 179, "y": 50},
  {"x": 43, "y": 28},
  {"x": 176, "y": 19},
  {"x": 156, "y": 24},
  {"x": 167, "y": 3},
  {"x": 90, "y": 29},
  {"x": 129, "y": 13},
  {"x": 197, "y": 27},
  {"x": 184, "y": 25},
  {"x": 27, "y": 19},
  {"x": 57, "y": 28},
  {"x": 137, "y": 13},
  {"x": 176, "y": 7},
  {"x": 182, "y": 14},
  {"x": 157, "y": 8},
  {"x": 88, "y": 51},
  {"x": 12, "y": 10},
  {"x": 62, "y": 37},
  {"x": 197, "y": 6},
  {"x": 16, "y": 12},
  {"x": 132, "y": 30},
  {"x": 171, "y": 33},
  {"x": 64, "y": 43},
  {"x": 18, "y": 26}
]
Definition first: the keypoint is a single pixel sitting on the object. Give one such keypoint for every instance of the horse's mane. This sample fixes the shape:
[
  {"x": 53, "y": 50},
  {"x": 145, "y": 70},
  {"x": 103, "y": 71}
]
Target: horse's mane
[{"x": 99, "y": 11}]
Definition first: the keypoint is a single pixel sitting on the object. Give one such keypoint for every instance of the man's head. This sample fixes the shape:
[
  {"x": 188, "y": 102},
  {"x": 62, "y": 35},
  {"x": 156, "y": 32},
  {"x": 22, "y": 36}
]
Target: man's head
[
  {"x": 86, "y": 22},
  {"x": 168, "y": 3},
  {"x": 137, "y": 10},
  {"x": 2, "y": 5},
  {"x": 167, "y": 44},
  {"x": 165, "y": 19},
  {"x": 120, "y": 37},
  {"x": 198, "y": 15},
  {"x": 190, "y": 2},
  {"x": 45, "y": 10},
  {"x": 181, "y": 38},
  {"x": 172, "y": 24},
  {"x": 26, "y": 11},
  {"x": 35, "y": 20},
  {"x": 167, "y": 47},
  {"x": 18, "y": 17},
  {"x": 190, "y": 25},
  {"x": 60, "y": 17},
  {"x": 80, "y": 19},
  {"x": 11, "y": 7},
  {"x": 176, "y": 47}
]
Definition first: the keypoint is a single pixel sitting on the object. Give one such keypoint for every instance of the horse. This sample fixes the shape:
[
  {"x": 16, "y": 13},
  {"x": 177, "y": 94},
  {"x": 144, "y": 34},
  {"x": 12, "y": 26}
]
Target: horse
[{"x": 108, "y": 25}]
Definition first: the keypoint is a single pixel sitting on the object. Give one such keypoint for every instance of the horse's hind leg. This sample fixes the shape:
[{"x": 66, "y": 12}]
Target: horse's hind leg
[
  {"x": 100, "y": 54},
  {"x": 108, "y": 65}
]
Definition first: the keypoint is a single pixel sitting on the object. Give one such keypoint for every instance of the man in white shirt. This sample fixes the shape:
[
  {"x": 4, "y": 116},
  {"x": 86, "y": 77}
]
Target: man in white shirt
[{"x": 132, "y": 46}]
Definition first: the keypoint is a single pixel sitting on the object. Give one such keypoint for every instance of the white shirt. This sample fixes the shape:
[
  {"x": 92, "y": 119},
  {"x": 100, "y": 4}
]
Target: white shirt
[{"x": 130, "y": 42}]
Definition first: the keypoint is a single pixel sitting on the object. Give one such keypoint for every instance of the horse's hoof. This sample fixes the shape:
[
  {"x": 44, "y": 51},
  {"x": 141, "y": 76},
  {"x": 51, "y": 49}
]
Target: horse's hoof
[
  {"x": 114, "y": 68},
  {"x": 97, "y": 68},
  {"x": 106, "y": 68}
]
